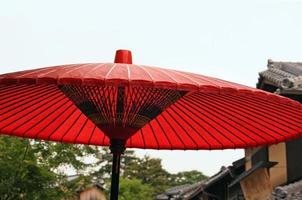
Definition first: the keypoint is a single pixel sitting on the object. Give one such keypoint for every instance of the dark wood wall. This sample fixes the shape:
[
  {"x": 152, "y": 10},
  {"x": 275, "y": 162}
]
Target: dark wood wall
[
  {"x": 260, "y": 155},
  {"x": 294, "y": 160}
]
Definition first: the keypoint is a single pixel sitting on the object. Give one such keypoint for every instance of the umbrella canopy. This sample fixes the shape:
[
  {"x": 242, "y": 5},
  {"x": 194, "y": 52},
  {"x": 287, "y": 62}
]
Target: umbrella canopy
[
  {"x": 149, "y": 107},
  {"x": 138, "y": 106}
]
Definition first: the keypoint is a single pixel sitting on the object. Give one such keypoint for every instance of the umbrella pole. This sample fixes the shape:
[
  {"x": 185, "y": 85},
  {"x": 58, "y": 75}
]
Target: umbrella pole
[
  {"x": 115, "y": 176},
  {"x": 117, "y": 148}
]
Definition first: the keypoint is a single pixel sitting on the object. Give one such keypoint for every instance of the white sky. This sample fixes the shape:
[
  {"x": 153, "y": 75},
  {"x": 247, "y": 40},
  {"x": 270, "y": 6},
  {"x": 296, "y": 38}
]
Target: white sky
[{"x": 229, "y": 39}]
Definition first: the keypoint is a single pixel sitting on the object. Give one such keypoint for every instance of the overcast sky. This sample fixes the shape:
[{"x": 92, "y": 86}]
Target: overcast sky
[{"x": 229, "y": 39}]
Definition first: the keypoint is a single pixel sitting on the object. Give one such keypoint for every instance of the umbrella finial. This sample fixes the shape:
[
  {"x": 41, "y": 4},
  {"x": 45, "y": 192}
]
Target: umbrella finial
[{"x": 123, "y": 56}]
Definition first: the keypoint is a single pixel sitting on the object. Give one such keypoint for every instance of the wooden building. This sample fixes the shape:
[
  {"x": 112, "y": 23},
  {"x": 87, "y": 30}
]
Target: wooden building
[
  {"x": 284, "y": 78},
  {"x": 92, "y": 193},
  {"x": 282, "y": 162},
  {"x": 270, "y": 172}
]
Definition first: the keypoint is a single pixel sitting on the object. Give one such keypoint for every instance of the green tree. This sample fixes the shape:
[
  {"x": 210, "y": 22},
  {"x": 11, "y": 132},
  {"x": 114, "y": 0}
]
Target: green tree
[
  {"x": 149, "y": 171},
  {"x": 187, "y": 177},
  {"x": 31, "y": 169},
  {"x": 134, "y": 189}
]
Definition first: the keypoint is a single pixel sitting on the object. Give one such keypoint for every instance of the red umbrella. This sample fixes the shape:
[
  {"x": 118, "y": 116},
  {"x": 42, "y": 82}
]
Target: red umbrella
[{"x": 124, "y": 105}]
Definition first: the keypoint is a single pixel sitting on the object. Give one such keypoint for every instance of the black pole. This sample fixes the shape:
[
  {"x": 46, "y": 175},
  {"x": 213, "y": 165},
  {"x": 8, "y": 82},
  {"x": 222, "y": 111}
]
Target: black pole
[
  {"x": 115, "y": 176},
  {"x": 117, "y": 148}
]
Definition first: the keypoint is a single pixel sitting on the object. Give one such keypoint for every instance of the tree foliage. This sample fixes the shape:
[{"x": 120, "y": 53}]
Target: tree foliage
[
  {"x": 150, "y": 172},
  {"x": 134, "y": 189},
  {"x": 187, "y": 177},
  {"x": 31, "y": 170}
]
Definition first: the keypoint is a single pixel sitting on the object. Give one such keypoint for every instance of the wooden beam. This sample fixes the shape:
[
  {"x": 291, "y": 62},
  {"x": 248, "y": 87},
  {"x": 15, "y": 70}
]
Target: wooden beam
[{"x": 257, "y": 186}]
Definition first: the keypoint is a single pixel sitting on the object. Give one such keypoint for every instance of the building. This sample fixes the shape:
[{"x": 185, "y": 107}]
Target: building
[
  {"x": 93, "y": 191},
  {"x": 226, "y": 184},
  {"x": 284, "y": 78},
  {"x": 270, "y": 172}
]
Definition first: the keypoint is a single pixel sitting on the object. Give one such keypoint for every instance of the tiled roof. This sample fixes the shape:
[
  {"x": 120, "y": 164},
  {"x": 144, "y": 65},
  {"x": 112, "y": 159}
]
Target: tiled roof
[
  {"x": 288, "y": 192},
  {"x": 181, "y": 192},
  {"x": 185, "y": 192},
  {"x": 286, "y": 76},
  {"x": 261, "y": 164}
]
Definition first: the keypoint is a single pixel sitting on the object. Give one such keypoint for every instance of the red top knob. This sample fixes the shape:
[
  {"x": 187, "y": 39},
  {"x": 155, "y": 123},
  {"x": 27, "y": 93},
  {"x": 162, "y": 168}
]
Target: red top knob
[{"x": 123, "y": 56}]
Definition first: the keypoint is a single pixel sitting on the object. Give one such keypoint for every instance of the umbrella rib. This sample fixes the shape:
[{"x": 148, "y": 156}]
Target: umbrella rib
[
  {"x": 242, "y": 119},
  {"x": 32, "y": 72},
  {"x": 104, "y": 137},
  {"x": 220, "y": 82},
  {"x": 202, "y": 78},
  {"x": 218, "y": 131},
  {"x": 240, "y": 131},
  {"x": 139, "y": 96},
  {"x": 88, "y": 92},
  {"x": 94, "y": 68},
  {"x": 159, "y": 99},
  {"x": 252, "y": 114},
  {"x": 8, "y": 88},
  {"x": 188, "y": 134},
  {"x": 141, "y": 105},
  {"x": 187, "y": 77},
  {"x": 16, "y": 88},
  {"x": 163, "y": 130},
  {"x": 113, "y": 103},
  {"x": 244, "y": 109},
  {"x": 81, "y": 93},
  {"x": 90, "y": 137},
  {"x": 264, "y": 107},
  {"x": 12, "y": 94},
  {"x": 101, "y": 108},
  {"x": 144, "y": 142},
  {"x": 50, "y": 122},
  {"x": 73, "y": 69},
  {"x": 126, "y": 106},
  {"x": 154, "y": 134},
  {"x": 129, "y": 73},
  {"x": 273, "y": 108},
  {"x": 133, "y": 93},
  {"x": 24, "y": 90},
  {"x": 167, "y": 74},
  {"x": 188, "y": 110},
  {"x": 254, "y": 107},
  {"x": 174, "y": 131},
  {"x": 24, "y": 115},
  {"x": 27, "y": 106},
  {"x": 70, "y": 127},
  {"x": 32, "y": 117},
  {"x": 225, "y": 116},
  {"x": 142, "y": 95},
  {"x": 192, "y": 127},
  {"x": 55, "y": 69},
  {"x": 110, "y": 70},
  {"x": 33, "y": 94},
  {"x": 275, "y": 103},
  {"x": 81, "y": 129},
  {"x": 146, "y": 71},
  {"x": 62, "y": 122}
]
